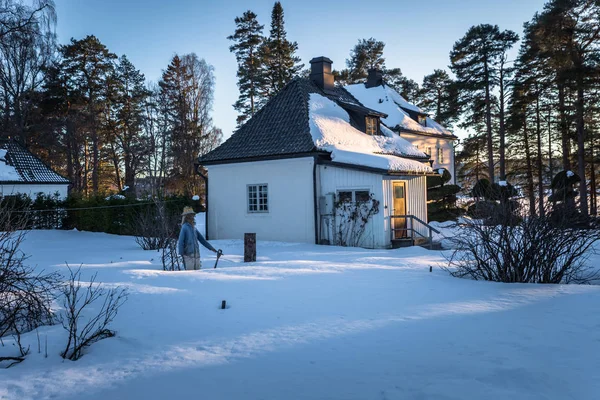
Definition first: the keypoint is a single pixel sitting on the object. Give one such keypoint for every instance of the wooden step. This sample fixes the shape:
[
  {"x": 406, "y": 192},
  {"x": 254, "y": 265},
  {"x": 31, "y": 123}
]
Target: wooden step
[{"x": 398, "y": 243}]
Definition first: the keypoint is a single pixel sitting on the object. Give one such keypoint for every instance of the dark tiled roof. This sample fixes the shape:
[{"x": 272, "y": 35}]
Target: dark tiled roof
[
  {"x": 281, "y": 127},
  {"x": 29, "y": 167}
]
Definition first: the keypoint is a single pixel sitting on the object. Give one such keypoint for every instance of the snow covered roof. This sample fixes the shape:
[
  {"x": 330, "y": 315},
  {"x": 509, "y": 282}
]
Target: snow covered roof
[
  {"x": 18, "y": 165},
  {"x": 304, "y": 119},
  {"x": 331, "y": 131},
  {"x": 385, "y": 99}
]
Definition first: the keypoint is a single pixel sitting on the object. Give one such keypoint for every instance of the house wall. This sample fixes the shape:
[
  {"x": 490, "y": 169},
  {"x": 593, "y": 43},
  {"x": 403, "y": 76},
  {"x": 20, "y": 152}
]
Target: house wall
[
  {"x": 416, "y": 202},
  {"x": 32, "y": 189},
  {"x": 378, "y": 233},
  {"x": 291, "y": 200},
  {"x": 333, "y": 179},
  {"x": 435, "y": 142}
]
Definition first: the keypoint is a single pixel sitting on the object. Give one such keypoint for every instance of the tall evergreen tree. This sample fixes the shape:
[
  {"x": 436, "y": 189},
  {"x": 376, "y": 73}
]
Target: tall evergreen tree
[
  {"x": 438, "y": 97},
  {"x": 188, "y": 87},
  {"x": 248, "y": 40},
  {"x": 87, "y": 65},
  {"x": 475, "y": 60},
  {"x": 130, "y": 100},
  {"x": 279, "y": 55},
  {"x": 407, "y": 88},
  {"x": 368, "y": 53}
]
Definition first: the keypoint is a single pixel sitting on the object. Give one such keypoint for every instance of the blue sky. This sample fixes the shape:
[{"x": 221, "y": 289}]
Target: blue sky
[{"x": 418, "y": 34}]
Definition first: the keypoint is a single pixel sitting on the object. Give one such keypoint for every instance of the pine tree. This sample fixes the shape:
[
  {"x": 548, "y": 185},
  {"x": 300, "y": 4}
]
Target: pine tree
[
  {"x": 439, "y": 97},
  {"x": 475, "y": 60},
  {"x": 368, "y": 53},
  {"x": 281, "y": 64},
  {"x": 248, "y": 41},
  {"x": 87, "y": 65},
  {"x": 130, "y": 101},
  {"x": 407, "y": 88}
]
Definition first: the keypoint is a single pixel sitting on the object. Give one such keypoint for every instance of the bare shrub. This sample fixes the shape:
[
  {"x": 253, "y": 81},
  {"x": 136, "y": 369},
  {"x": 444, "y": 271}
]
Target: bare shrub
[
  {"x": 157, "y": 230},
  {"x": 537, "y": 249},
  {"x": 80, "y": 299},
  {"x": 25, "y": 295},
  {"x": 148, "y": 228},
  {"x": 352, "y": 219}
]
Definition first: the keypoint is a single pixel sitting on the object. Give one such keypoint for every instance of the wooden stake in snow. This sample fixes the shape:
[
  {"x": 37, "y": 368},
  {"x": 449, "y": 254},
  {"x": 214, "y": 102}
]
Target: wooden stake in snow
[
  {"x": 223, "y": 304},
  {"x": 249, "y": 247}
]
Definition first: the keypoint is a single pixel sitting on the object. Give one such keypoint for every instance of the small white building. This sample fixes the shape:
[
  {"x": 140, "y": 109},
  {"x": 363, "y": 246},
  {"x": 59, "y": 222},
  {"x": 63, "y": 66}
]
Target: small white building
[
  {"x": 22, "y": 172},
  {"x": 408, "y": 120},
  {"x": 287, "y": 173}
]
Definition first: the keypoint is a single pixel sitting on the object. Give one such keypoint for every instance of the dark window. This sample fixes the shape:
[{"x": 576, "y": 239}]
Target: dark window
[
  {"x": 361, "y": 196},
  {"x": 355, "y": 196},
  {"x": 258, "y": 198},
  {"x": 371, "y": 125},
  {"x": 345, "y": 196}
]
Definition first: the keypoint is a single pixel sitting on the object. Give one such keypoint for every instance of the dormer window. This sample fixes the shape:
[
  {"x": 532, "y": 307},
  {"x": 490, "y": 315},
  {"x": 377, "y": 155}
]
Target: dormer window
[
  {"x": 421, "y": 119},
  {"x": 371, "y": 126}
]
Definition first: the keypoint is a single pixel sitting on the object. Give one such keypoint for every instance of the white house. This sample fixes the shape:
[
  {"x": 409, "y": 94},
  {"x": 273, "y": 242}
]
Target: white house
[
  {"x": 408, "y": 120},
  {"x": 21, "y": 172},
  {"x": 285, "y": 172}
]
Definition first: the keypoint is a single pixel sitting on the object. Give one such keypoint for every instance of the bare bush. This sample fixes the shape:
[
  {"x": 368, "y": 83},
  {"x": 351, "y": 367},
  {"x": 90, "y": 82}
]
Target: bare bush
[
  {"x": 538, "y": 249},
  {"x": 79, "y": 299},
  {"x": 25, "y": 295},
  {"x": 352, "y": 219},
  {"x": 157, "y": 230},
  {"x": 149, "y": 229}
]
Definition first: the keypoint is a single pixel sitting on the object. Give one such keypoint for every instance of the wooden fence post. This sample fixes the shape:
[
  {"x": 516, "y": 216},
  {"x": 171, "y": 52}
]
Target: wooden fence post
[{"x": 249, "y": 247}]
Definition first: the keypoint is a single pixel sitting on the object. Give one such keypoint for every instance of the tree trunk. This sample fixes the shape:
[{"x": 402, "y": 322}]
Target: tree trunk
[
  {"x": 540, "y": 172},
  {"x": 564, "y": 129},
  {"x": 579, "y": 105},
  {"x": 488, "y": 123},
  {"x": 502, "y": 128},
  {"x": 530, "y": 187}
]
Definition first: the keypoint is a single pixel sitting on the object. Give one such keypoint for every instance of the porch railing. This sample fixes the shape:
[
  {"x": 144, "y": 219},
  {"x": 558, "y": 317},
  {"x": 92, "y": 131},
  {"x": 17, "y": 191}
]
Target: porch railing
[{"x": 410, "y": 227}]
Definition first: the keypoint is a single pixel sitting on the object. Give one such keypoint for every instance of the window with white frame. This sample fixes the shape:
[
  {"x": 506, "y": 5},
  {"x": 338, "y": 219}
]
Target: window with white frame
[
  {"x": 428, "y": 151},
  {"x": 440, "y": 155},
  {"x": 355, "y": 196},
  {"x": 258, "y": 198}
]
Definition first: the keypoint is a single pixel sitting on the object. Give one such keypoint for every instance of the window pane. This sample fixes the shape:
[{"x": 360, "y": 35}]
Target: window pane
[
  {"x": 399, "y": 191},
  {"x": 362, "y": 195},
  {"x": 345, "y": 196}
]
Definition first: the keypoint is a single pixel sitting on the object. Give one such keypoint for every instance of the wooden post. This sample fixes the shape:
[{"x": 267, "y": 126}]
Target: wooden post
[
  {"x": 249, "y": 247},
  {"x": 223, "y": 305}
]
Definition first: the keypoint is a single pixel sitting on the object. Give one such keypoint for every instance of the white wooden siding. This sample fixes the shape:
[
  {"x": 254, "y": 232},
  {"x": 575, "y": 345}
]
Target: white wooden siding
[
  {"x": 333, "y": 179},
  {"x": 291, "y": 200},
  {"x": 435, "y": 142}
]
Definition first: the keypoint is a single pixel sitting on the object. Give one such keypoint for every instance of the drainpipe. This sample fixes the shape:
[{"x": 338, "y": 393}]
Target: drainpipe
[
  {"x": 315, "y": 199},
  {"x": 205, "y": 179}
]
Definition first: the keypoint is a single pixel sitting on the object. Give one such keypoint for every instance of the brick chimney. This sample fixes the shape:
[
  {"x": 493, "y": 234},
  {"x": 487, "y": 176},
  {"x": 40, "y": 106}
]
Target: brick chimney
[
  {"x": 320, "y": 72},
  {"x": 375, "y": 78}
]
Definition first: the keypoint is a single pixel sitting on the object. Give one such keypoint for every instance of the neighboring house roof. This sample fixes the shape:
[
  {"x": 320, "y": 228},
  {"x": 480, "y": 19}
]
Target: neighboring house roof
[
  {"x": 19, "y": 166},
  {"x": 304, "y": 118},
  {"x": 385, "y": 99}
]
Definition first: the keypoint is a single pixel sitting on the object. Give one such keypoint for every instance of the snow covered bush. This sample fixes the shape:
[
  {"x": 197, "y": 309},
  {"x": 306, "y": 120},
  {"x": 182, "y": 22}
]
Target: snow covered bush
[
  {"x": 79, "y": 301},
  {"x": 352, "y": 219},
  {"x": 26, "y": 295},
  {"x": 535, "y": 250}
]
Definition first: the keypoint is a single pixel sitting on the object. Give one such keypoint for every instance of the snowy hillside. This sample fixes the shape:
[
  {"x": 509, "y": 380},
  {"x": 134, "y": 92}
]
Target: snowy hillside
[{"x": 312, "y": 322}]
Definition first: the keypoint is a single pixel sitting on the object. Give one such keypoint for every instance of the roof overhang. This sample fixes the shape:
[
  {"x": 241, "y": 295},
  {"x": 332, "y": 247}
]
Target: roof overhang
[
  {"x": 420, "y": 133},
  {"x": 261, "y": 158},
  {"x": 33, "y": 183},
  {"x": 375, "y": 170}
]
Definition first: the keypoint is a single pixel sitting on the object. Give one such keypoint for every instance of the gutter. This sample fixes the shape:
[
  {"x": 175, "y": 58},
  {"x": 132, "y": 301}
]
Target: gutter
[
  {"x": 205, "y": 179},
  {"x": 315, "y": 200}
]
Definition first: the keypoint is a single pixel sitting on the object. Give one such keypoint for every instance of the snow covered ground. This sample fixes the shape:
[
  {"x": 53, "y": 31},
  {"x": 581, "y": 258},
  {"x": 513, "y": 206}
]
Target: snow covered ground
[{"x": 312, "y": 322}]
